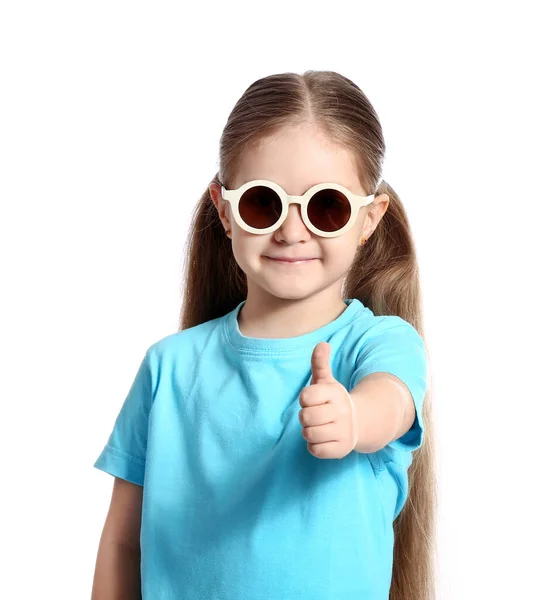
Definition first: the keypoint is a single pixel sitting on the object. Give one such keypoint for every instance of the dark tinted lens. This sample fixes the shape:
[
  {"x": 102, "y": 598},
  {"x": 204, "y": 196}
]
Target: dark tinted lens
[
  {"x": 260, "y": 207},
  {"x": 329, "y": 210}
]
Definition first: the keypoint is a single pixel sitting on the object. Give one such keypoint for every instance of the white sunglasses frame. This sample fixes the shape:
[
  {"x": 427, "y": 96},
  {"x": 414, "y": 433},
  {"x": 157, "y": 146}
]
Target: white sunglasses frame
[{"x": 356, "y": 202}]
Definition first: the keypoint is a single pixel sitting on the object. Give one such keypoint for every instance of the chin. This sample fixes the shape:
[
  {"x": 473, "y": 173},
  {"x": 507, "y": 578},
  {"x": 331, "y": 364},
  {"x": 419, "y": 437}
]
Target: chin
[{"x": 290, "y": 291}]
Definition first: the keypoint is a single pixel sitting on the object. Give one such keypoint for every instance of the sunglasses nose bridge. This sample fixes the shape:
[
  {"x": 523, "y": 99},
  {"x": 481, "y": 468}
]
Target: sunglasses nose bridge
[
  {"x": 298, "y": 200},
  {"x": 286, "y": 222},
  {"x": 295, "y": 199}
]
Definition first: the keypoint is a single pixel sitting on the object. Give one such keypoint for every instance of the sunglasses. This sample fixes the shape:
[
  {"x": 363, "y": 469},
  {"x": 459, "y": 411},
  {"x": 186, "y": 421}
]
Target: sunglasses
[{"x": 327, "y": 209}]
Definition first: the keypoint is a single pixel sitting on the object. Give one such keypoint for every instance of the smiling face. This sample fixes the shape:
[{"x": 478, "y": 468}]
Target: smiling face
[{"x": 297, "y": 158}]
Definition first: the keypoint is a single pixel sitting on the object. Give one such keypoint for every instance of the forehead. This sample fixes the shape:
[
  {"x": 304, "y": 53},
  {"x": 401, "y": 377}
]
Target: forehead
[{"x": 297, "y": 158}]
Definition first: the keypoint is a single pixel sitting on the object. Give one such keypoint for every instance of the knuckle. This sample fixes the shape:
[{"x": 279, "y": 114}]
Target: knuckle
[{"x": 318, "y": 452}]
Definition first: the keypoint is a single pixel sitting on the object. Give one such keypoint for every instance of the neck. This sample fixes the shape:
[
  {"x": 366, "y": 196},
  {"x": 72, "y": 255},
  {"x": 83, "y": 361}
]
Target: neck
[{"x": 265, "y": 316}]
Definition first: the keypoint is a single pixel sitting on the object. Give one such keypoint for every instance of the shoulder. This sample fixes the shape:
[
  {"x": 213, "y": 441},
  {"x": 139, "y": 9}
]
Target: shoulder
[
  {"x": 367, "y": 324},
  {"x": 185, "y": 343}
]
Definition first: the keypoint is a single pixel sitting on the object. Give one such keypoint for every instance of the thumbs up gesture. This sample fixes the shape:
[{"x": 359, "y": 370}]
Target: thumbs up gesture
[{"x": 328, "y": 415}]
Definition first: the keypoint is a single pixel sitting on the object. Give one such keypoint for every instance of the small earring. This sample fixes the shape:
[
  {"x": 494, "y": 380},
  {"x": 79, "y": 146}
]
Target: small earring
[
  {"x": 228, "y": 233},
  {"x": 363, "y": 241}
]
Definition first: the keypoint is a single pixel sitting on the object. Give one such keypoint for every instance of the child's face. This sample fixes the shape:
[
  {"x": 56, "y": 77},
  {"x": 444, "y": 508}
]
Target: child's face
[{"x": 296, "y": 159}]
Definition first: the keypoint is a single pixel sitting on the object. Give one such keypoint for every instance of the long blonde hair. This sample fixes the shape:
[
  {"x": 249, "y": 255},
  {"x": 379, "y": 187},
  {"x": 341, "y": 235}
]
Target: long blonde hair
[{"x": 384, "y": 275}]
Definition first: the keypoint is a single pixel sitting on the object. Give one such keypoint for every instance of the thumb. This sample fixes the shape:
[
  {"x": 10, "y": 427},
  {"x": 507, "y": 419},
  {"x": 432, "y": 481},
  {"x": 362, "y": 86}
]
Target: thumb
[{"x": 321, "y": 372}]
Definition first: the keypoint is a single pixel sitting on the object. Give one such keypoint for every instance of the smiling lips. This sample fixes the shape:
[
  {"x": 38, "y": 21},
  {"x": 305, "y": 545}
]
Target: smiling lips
[{"x": 288, "y": 261}]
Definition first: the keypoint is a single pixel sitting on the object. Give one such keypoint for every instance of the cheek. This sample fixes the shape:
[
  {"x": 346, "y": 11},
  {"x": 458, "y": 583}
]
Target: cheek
[
  {"x": 340, "y": 252},
  {"x": 248, "y": 249}
]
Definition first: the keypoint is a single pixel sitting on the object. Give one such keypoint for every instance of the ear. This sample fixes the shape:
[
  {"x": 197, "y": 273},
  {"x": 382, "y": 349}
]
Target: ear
[
  {"x": 221, "y": 205},
  {"x": 375, "y": 211}
]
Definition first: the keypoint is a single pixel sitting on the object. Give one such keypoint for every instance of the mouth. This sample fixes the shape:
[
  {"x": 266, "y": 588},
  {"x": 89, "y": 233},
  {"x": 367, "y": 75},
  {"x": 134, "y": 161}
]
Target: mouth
[{"x": 291, "y": 261}]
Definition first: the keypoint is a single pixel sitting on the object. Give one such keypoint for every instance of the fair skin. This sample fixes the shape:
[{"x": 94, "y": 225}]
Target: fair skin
[{"x": 292, "y": 300}]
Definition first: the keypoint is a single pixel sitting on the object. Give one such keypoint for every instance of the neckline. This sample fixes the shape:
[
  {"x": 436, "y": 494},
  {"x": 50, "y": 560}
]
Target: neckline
[{"x": 269, "y": 346}]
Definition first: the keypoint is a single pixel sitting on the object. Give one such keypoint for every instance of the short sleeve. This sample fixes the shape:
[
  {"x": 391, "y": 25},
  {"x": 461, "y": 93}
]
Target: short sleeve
[
  {"x": 396, "y": 347},
  {"x": 125, "y": 451}
]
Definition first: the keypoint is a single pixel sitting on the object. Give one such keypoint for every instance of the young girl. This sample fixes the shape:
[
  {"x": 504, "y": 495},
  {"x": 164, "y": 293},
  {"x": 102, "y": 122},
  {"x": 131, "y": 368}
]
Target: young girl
[{"x": 273, "y": 447}]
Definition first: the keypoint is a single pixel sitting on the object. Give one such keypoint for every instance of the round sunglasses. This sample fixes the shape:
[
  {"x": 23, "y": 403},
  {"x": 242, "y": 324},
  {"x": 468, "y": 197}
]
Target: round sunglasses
[{"x": 327, "y": 209}]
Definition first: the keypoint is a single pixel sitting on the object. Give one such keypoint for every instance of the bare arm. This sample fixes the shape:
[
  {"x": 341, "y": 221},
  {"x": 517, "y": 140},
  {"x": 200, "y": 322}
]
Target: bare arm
[
  {"x": 384, "y": 409},
  {"x": 117, "y": 571}
]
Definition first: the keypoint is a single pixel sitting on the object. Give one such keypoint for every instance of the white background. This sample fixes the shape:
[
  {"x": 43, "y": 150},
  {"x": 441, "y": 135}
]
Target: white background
[{"x": 110, "y": 118}]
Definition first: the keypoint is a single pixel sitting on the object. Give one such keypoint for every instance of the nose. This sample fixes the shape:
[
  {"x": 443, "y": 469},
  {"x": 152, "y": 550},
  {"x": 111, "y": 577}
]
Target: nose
[{"x": 293, "y": 229}]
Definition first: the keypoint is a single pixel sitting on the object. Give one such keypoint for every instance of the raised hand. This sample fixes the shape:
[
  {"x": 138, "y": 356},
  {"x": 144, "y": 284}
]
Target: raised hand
[{"x": 328, "y": 415}]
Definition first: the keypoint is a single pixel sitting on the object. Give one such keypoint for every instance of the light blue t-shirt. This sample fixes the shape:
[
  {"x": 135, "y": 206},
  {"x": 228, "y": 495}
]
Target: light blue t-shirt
[{"x": 235, "y": 507}]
